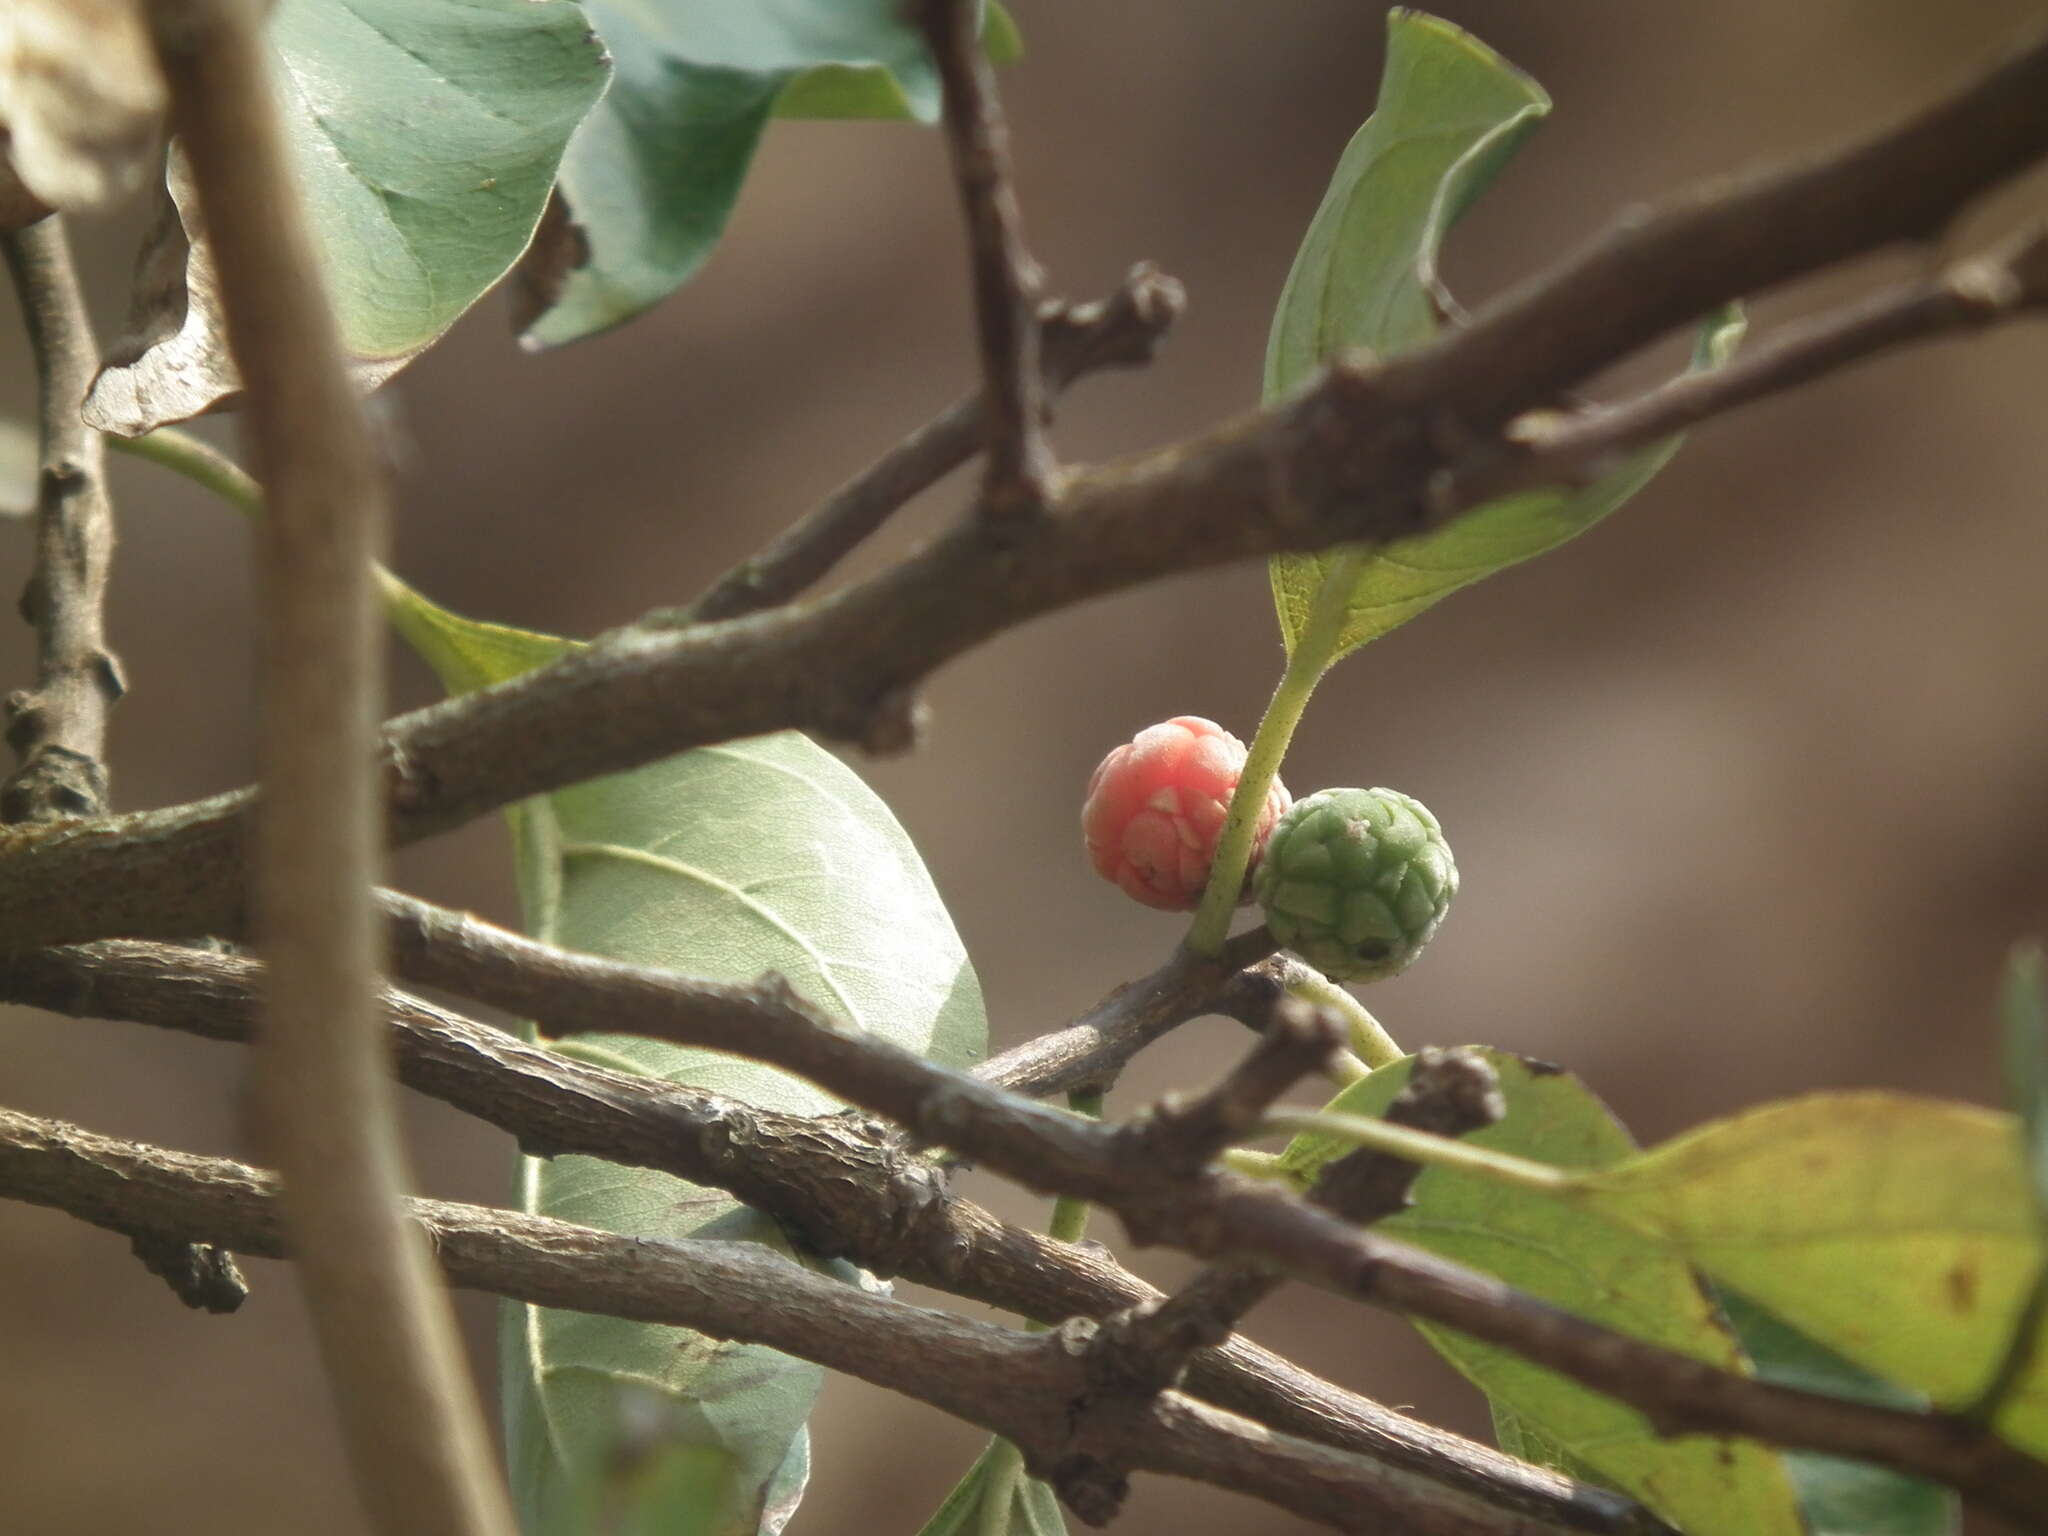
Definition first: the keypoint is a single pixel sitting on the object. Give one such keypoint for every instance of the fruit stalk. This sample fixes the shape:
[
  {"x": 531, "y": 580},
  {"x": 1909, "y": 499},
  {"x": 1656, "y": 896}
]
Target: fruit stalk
[{"x": 1313, "y": 652}]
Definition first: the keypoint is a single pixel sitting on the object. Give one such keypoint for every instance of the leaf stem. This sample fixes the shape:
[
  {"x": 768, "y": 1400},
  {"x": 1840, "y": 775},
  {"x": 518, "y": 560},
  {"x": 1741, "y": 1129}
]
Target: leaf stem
[
  {"x": 1419, "y": 1147},
  {"x": 1005, "y": 1472},
  {"x": 198, "y": 461},
  {"x": 1070, "y": 1214},
  {"x": 1253, "y": 1165},
  {"x": 1005, "y": 1460},
  {"x": 1314, "y": 650},
  {"x": 211, "y": 470},
  {"x": 1370, "y": 1042}
]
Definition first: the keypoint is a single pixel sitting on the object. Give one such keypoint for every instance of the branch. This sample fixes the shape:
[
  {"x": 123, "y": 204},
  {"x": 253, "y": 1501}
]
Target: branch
[
  {"x": 1017, "y": 1384},
  {"x": 1184, "y": 1135},
  {"x": 1549, "y": 448},
  {"x": 1075, "y": 339},
  {"x": 1144, "y": 1350},
  {"x": 1369, "y": 454},
  {"x": 1092, "y": 1051},
  {"x": 842, "y": 1184},
  {"x": 59, "y": 729},
  {"x": 422, "y": 1460},
  {"x": 1214, "y": 1215},
  {"x": 1019, "y": 482}
]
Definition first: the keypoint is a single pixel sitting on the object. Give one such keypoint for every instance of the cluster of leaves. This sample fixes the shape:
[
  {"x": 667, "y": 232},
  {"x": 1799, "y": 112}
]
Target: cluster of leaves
[{"x": 1869, "y": 1245}]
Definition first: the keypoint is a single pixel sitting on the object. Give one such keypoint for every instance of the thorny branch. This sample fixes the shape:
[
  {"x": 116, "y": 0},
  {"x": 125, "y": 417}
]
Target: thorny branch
[
  {"x": 1018, "y": 1384},
  {"x": 321, "y": 1085},
  {"x": 1019, "y": 480},
  {"x": 1121, "y": 331},
  {"x": 1370, "y": 453},
  {"x": 58, "y": 729},
  {"x": 845, "y": 1185}
]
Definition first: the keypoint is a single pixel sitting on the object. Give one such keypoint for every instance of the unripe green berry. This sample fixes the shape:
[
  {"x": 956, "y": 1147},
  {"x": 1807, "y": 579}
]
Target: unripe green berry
[{"x": 1356, "y": 880}]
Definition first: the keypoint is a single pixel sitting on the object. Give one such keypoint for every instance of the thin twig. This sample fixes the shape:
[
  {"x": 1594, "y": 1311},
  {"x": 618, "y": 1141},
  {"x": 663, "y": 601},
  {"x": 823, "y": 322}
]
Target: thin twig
[
  {"x": 422, "y": 1459},
  {"x": 1145, "y": 1349},
  {"x": 1015, "y": 1383},
  {"x": 1121, "y": 331},
  {"x": 1090, "y": 1052},
  {"x": 843, "y": 1185},
  {"x": 1215, "y": 1215},
  {"x": 1186, "y": 1134},
  {"x": 1353, "y": 459},
  {"x": 59, "y": 728},
  {"x": 1019, "y": 483},
  {"x": 1549, "y": 447}
]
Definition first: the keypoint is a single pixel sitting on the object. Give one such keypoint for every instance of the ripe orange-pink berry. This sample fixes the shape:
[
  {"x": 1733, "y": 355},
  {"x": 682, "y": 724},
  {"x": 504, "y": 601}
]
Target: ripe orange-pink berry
[{"x": 1156, "y": 808}]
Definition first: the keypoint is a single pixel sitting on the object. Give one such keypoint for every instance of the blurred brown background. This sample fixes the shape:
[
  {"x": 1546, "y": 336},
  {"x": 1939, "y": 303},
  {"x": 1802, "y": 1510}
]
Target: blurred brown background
[{"x": 1749, "y": 788}]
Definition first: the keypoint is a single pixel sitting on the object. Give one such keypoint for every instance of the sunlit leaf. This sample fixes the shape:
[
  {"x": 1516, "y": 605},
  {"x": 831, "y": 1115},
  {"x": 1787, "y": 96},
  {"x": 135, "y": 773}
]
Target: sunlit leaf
[
  {"x": 1588, "y": 1265},
  {"x": 1451, "y": 113},
  {"x": 1899, "y": 1232},
  {"x": 424, "y": 135},
  {"x": 766, "y": 854},
  {"x": 1837, "y": 1496}
]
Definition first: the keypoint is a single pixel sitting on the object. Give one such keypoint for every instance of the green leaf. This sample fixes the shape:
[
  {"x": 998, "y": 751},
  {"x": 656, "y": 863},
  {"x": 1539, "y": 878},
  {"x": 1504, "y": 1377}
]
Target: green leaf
[
  {"x": 870, "y": 91},
  {"x": 651, "y": 177},
  {"x": 2023, "y": 1005},
  {"x": 1587, "y": 1265},
  {"x": 1451, "y": 113},
  {"x": 766, "y": 854},
  {"x": 1034, "y": 1507},
  {"x": 1900, "y": 1233},
  {"x": 1839, "y": 1497},
  {"x": 425, "y": 135}
]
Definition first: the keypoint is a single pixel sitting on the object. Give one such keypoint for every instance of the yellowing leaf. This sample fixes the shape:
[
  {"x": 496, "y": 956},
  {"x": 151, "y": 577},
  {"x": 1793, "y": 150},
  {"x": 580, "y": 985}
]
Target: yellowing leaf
[
  {"x": 1899, "y": 1232},
  {"x": 1589, "y": 1265}
]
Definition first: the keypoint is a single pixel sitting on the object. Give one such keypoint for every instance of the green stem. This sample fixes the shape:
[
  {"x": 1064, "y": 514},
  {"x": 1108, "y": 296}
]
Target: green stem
[
  {"x": 1253, "y": 1165},
  {"x": 1314, "y": 649},
  {"x": 198, "y": 461},
  {"x": 1345, "y": 1068},
  {"x": 1005, "y": 1461},
  {"x": 1369, "y": 1038},
  {"x": 1069, "y": 1213},
  {"x": 211, "y": 470},
  {"x": 1420, "y": 1147},
  {"x": 1005, "y": 1472}
]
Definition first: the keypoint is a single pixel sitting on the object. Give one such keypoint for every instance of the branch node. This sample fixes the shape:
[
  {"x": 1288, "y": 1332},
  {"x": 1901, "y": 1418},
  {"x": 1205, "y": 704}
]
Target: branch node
[
  {"x": 1019, "y": 485},
  {"x": 1181, "y": 1134},
  {"x": 1092, "y": 1489},
  {"x": 202, "y": 1276}
]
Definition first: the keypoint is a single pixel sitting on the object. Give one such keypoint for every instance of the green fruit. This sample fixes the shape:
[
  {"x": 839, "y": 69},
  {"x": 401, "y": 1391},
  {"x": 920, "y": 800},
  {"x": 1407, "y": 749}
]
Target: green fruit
[{"x": 1356, "y": 880}]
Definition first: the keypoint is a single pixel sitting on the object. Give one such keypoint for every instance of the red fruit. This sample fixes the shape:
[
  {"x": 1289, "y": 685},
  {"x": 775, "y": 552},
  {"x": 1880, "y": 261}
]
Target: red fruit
[{"x": 1156, "y": 808}]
